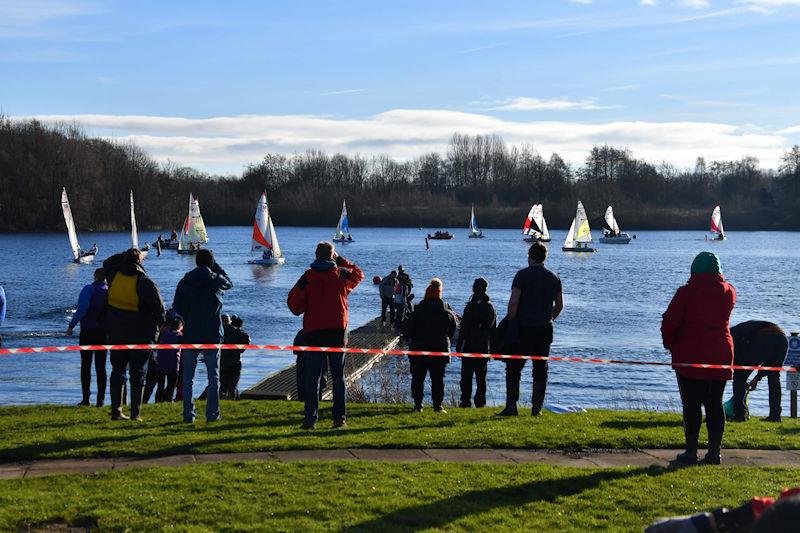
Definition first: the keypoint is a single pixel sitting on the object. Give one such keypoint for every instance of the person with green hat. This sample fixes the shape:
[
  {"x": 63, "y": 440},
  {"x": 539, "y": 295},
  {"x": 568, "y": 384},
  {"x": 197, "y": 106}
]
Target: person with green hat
[{"x": 695, "y": 329}]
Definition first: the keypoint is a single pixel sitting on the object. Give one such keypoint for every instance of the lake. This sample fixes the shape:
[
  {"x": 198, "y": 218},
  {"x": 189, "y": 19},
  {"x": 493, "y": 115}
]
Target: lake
[{"x": 613, "y": 300}]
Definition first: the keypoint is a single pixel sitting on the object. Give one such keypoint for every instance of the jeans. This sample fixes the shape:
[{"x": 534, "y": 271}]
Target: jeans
[
  {"x": 90, "y": 336},
  {"x": 387, "y": 302},
  {"x": 314, "y": 363},
  {"x": 189, "y": 365}
]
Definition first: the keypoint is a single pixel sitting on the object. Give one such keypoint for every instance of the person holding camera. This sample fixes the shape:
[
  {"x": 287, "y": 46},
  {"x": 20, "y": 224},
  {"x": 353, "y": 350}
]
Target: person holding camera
[{"x": 198, "y": 299}]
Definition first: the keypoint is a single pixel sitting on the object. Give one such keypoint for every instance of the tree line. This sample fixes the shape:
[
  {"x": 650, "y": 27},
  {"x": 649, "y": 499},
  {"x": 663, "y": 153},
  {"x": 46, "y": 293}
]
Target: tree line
[{"x": 37, "y": 160}]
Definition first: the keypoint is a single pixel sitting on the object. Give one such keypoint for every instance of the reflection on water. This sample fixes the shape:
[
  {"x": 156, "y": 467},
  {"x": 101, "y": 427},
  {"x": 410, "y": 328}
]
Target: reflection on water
[{"x": 613, "y": 299}]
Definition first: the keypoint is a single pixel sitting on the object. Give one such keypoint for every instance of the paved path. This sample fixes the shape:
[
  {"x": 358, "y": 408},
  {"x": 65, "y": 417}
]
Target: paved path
[{"x": 583, "y": 459}]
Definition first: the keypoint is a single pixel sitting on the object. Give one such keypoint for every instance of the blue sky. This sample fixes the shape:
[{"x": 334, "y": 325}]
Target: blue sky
[{"x": 216, "y": 85}]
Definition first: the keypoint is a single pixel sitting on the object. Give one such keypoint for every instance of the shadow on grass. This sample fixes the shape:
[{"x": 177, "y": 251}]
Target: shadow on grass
[
  {"x": 441, "y": 513},
  {"x": 640, "y": 424}
]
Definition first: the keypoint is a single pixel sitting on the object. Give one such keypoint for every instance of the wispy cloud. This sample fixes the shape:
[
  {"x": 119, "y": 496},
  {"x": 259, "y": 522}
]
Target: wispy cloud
[
  {"x": 695, "y": 4},
  {"x": 623, "y": 88},
  {"x": 648, "y": 3},
  {"x": 482, "y": 48},
  {"x": 584, "y": 2},
  {"x": 525, "y": 103},
  {"x": 704, "y": 102},
  {"x": 24, "y": 18},
  {"x": 770, "y": 3},
  {"x": 230, "y": 143},
  {"x": 104, "y": 80},
  {"x": 342, "y": 91}
]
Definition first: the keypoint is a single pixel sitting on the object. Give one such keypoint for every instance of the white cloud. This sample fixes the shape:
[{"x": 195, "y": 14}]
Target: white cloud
[
  {"x": 584, "y": 2},
  {"x": 695, "y": 4},
  {"x": 770, "y": 3},
  {"x": 230, "y": 143},
  {"x": 341, "y": 91},
  {"x": 524, "y": 103},
  {"x": 649, "y": 2}
]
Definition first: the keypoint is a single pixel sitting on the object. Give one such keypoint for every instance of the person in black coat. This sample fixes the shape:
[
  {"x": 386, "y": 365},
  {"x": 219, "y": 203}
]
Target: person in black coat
[
  {"x": 430, "y": 328},
  {"x": 477, "y": 329}
]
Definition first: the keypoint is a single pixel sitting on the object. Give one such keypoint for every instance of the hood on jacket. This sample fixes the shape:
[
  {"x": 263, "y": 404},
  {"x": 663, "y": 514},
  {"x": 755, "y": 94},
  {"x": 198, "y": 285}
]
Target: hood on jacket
[
  {"x": 708, "y": 283},
  {"x": 323, "y": 265},
  {"x": 200, "y": 277},
  {"x": 706, "y": 263}
]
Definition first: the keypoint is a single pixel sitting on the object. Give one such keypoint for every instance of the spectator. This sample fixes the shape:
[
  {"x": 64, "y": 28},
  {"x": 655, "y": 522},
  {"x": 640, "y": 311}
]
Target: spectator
[
  {"x": 430, "y": 328},
  {"x": 230, "y": 369},
  {"x": 536, "y": 301},
  {"x": 135, "y": 312},
  {"x": 386, "y": 290},
  {"x": 198, "y": 299},
  {"x": 91, "y": 313},
  {"x": 320, "y": 295},
  {"x": 757, "y": 343},
  {"x": 477, "y": 330},
  {"x": 169, "y": 360},
  {"x": 695, "y": 329}
]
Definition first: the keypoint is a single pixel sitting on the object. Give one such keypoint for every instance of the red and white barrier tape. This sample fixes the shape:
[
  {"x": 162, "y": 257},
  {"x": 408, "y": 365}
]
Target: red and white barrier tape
[{"x": 377, "y": 351}]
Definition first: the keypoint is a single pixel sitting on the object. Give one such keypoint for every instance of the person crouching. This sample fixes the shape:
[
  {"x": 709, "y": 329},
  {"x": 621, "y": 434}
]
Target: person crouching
[{"x": 429, "y": 328}]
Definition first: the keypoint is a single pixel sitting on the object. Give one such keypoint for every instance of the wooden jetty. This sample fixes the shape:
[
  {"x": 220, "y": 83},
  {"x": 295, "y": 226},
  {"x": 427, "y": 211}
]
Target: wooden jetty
[{"x": 282, "y": 385}]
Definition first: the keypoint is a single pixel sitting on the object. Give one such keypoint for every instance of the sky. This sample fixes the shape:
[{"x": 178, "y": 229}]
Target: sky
[{"x": 217, "y": 85}]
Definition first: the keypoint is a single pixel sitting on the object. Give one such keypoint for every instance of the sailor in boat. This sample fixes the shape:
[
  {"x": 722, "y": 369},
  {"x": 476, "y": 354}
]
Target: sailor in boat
[
  {"x": 267, "y": 254},
  {"x": 91, "y": 251},
  {"x": 173, "y": 236},
  {"x": 349, "y": 237}
]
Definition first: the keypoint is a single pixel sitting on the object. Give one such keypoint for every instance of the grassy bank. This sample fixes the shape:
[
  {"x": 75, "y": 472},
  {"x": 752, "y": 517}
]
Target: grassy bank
[
  {"x": 345, "y": 496},
  {"x": 60, "y": 431}
]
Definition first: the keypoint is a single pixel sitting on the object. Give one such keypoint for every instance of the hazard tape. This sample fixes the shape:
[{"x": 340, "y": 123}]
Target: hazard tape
[{"x": 378, "y": 351}]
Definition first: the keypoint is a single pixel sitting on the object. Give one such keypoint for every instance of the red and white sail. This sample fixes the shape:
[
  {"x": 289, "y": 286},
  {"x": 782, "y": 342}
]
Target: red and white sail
[
  {"x": 264, "y": 236},
  {"x": 716, "y": 221}
]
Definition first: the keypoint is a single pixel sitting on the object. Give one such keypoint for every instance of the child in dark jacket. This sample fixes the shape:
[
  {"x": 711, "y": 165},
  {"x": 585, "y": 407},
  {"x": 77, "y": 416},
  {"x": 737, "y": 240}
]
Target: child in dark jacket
[
  {"x": 230, "y": 369},
  {"x": 478, "y": 327},
  {"x": 169, "y": 360}
]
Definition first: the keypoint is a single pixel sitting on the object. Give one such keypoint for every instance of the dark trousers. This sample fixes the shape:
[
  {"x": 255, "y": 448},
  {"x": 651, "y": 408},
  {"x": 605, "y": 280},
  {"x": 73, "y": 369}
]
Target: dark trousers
[
  {"x": 473, "y": 366},
  {"x": 300, "y": 376},
  {"x": 229, "y": 381},
  {"x": 763, "y": 350},
  {"x": 387, "y": 303},
  {"x": 705, "y": 394},
  {"x": 314, "y": 362},
  {"x": 399, "y": 314},
  {"x": 120, "y": 361},
  {"x": 93, "y": 336},
  {"x": 151, "y": 379},
  {"x": 534, "y": 341},
  {"x": 166, "y": 386},
  {"x": 422, "y": 365}
]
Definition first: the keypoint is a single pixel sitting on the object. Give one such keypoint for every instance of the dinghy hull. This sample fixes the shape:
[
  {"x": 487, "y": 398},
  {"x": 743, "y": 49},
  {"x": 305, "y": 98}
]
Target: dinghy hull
[{"x": 268, "y": 262}]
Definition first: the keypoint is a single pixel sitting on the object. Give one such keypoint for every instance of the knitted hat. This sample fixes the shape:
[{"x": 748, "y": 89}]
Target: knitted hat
[
  {"x": 480, "y": 285},
  {"x": 434, "y": 290},
  {"x": 706, "y": 263}
]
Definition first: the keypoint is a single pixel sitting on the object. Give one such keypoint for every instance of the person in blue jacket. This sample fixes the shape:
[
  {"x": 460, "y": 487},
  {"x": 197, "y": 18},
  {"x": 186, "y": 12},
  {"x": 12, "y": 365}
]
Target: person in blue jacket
[
  {"x": 198, "y": 299},
  {"x": 91, "y": 312}
]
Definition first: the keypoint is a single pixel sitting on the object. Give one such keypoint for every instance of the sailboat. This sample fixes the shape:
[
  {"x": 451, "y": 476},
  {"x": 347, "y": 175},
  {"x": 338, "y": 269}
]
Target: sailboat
[
  {"x": 193, "y": 233},
  {"x": 265, "y": 239},
  {"x": 579, "y": 236},
  {"x": 535, "y": 227},
  {"x": 135, "y": 232},
  {"x": 343, "y": 227},
  {"x": 474, "y": 232},
  {"x": 612, "y": 235},
  {"x": 716, "y": 225},
  {"x": 79, "y": 256}
]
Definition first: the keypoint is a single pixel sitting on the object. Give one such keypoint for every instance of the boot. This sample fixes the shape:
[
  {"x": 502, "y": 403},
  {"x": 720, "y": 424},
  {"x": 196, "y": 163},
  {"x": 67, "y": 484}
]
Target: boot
[
  {"x": 512, "y": 395},
  {"x": 689, "y": 457},
  {"x": 115, "y": 392},
  {"x": 537, "y": 399},
  {"x": 137, "y": 394},
  {"x": 714, "y": 455}
]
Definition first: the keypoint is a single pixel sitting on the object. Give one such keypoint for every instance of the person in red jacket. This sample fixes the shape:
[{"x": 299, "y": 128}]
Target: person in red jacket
[
  {"x": 695, "y": 329},
  {"x": 320, "y": 295}
]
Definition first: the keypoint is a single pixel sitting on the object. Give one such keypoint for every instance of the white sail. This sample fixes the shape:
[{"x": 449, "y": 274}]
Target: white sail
[
  {"x": 343, "y": 227},
  {"x": 473, "y": 223},
  {"x": 527, "y": 229},
  {"x": 71, "y": 231},
  {"x": 264, "y": 236},
  {"x": 545, "y": 231},
  {"x": 611, "y": 222},
  {"x": 273, "y": 237},
  {"x": 134, "y": 231},
  {"x": 716, "y": 221},
  {"x": 582, "y": 231},
  {"x": 194, "y": 229},
  {"x": 569, "y": 242}
]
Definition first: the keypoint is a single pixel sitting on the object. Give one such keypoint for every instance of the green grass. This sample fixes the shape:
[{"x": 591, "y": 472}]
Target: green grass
[
  {"x": 368, "y": 497},
  {"x": 57, "y": 431}
]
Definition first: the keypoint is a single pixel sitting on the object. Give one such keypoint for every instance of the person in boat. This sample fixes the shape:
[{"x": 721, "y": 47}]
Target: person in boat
[
  {"x": 536, "y": 301},
  {"x": 321, "y": 296},
  {"x": 134, "y": 314},
  {"x": 90, "y": 314},
  {"x": 757, "y": 343},
  {"x": 349, "y": 237},
  {"x": 477, "y": 328},
  {"x": 429, "y": 328},
  {"x": 695, "y": 330},
  {"x": 173, "y": 236},
  {"x": 198, "y": 299},
  {"x": 267, "y": 254},
  {"x": 230, "y": 366}
]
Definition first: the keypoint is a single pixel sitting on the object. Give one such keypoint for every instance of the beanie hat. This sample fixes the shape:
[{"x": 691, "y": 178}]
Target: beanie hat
[
  {"x": 434, "y": 290},
  {"x": 706, "y": 263},
  {"x": 480, "y": 285}
]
